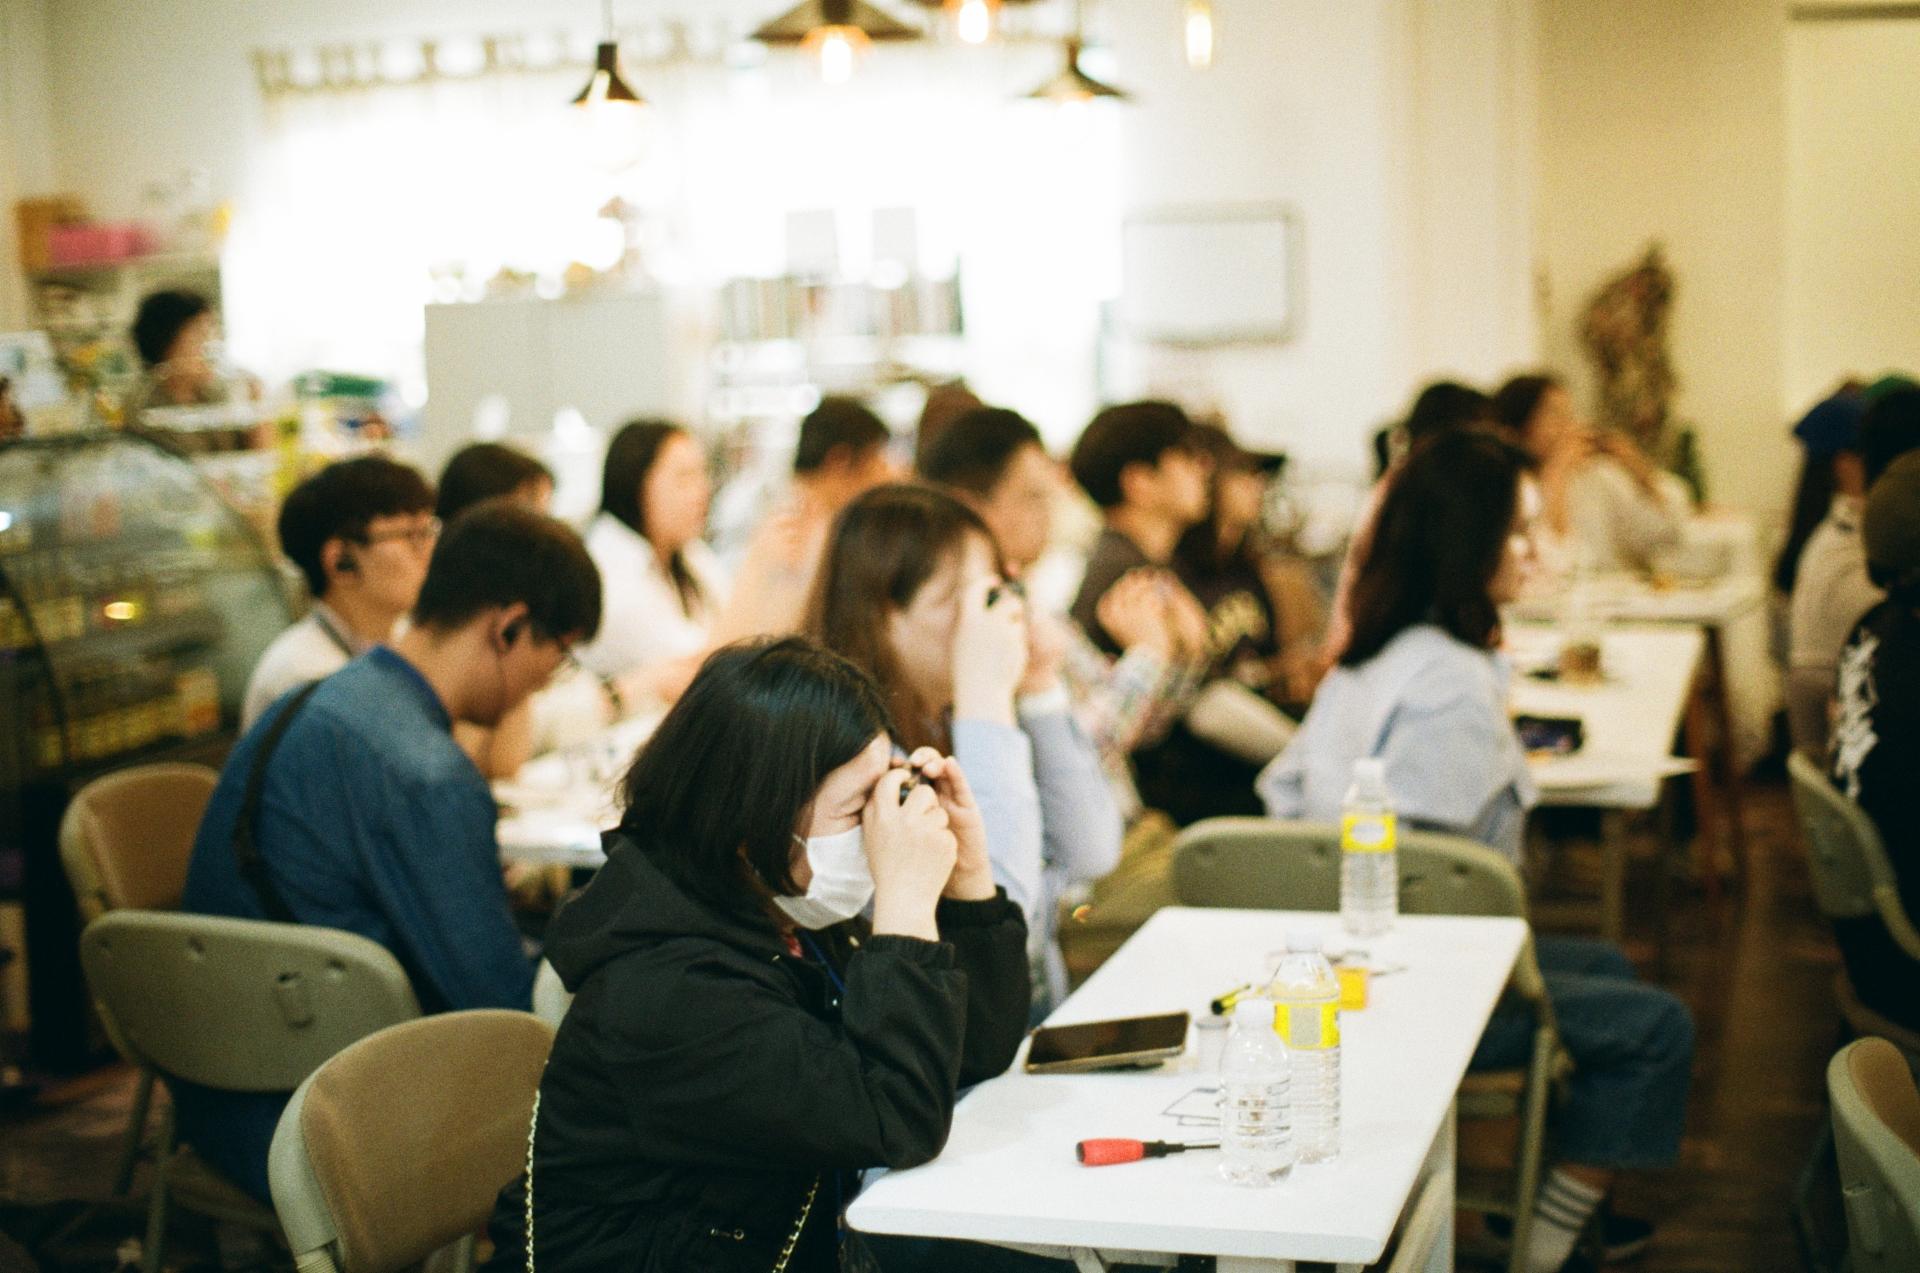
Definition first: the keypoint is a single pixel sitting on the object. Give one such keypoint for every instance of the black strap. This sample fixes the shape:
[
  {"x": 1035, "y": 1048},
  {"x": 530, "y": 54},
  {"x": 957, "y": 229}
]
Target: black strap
[{"x": 253, "y": 867}]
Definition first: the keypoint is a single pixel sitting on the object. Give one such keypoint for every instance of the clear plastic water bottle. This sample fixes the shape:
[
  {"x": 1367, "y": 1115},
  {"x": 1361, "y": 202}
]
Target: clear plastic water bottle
[
  {"x": 1369, "y": 866},
  {"x": 1256, "y": 1134},
  {"x": 1306, "y": 997}
]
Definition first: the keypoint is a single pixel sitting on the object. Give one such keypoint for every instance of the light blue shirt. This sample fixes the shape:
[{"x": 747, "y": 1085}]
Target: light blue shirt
[{"x": 1434, "y": 709}]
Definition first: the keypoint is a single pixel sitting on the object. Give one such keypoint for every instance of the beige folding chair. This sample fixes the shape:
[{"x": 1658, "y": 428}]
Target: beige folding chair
[
  {"x": 1267, "y": 863},
  {"x": 233, "y": 1004},
  {"x": 397, "y": 1147},
  {"x": 1852, "y": 879},
  {"x": 1876, "y": 1131},
  {"x": 125, "y": 842}
]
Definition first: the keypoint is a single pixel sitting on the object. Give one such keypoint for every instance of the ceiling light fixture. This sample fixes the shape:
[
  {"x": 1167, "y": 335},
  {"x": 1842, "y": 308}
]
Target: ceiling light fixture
[
  {"x": 1199, "y": 30},
  {"x": 606, "y": 88},
  {"x": 1073, "y": 84},
  {"x": 838, "y": 32}
]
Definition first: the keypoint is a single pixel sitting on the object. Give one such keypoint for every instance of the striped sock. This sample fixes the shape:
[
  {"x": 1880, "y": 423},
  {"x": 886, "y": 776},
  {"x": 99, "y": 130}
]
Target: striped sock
[{"x": 1561, "y": 1210}]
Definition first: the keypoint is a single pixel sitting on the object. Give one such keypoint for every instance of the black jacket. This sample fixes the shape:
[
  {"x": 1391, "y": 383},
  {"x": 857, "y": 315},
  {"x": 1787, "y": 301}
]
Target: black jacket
[{"x": 704, "y": 1078}]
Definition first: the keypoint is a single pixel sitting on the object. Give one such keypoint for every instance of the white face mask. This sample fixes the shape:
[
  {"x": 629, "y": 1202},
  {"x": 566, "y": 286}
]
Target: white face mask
[{"x": 842, "y": 884}]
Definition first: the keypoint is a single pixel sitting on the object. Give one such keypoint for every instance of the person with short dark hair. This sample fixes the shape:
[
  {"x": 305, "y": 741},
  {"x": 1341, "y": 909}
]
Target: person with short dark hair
[
  {"x": 1422, "y": 688},
  {"x": 1604, "y": 505},
  {"x": 1876, "y": 734},
  {"x": 665, "y": 589},
  {"x": 841, "y": 454},
  {"x": 492, "y": 470},
  {"x": 360, "y": 531},
  {"x": 171, "y": 333},
  {"x": 742, "y": 1042},
  {"x": 370, "y": 818}
]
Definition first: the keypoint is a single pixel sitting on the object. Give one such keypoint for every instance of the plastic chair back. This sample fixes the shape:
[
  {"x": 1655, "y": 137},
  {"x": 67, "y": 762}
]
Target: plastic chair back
[
  {"x": 238, "y": 1004},
  {"x": 399, "y": 1146},
  {"x": 1851, "y": 874},
  {"x": 1876, "y": 1132},
  {"x": 126, "y": 838}
]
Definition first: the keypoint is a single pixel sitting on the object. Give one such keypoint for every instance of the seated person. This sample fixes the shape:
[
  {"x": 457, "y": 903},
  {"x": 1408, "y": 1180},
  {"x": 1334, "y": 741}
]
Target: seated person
[
  {"x": 1604, "y": 505},
  {"x": 1144, "y": 464},
  {"x": 663, "y": 585},
  {"x": 1422, "y": 687},
  {"x": 360, "y": 531},
  {"x": 1439, "y": 407},
  {"x": 741, "y": 1043},
  {"x": 172, "y": 331},
  {"x": 371, "y": 819},
  {"x": 913, "y": 593},
  {"x": 995, "y": 459},
  {"x": 491, "y": 470},
  {"x": 1832, "y": 588},
  {"x": 841, "y": 454},
  {"x": 1876, "y": 737}
]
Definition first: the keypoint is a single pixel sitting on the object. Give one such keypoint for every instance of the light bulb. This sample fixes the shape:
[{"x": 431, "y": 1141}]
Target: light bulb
[
  {"x": 837, "y": 47},
  {"x": 1199, "y": 23},
  {"x": 973, "y": 21}
]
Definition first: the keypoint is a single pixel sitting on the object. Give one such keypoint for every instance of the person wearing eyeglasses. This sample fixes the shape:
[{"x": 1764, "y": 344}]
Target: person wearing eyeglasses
[
  {"x": 360, "y": 532},
  {"x": 349, "y": 805}
]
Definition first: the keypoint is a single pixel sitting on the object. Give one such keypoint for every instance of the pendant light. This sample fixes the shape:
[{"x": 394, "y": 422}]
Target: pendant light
[
  {"x": 607, "y": 90},
  {"x": 1073, "y": 84},
  {"x": 972, "y": 21},
  {"x": 1198, "y": 22},
  {"x": 838, "y": 32}
]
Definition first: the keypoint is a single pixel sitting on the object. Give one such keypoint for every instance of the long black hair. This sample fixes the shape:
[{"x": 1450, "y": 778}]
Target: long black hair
[
  {"x": 631, "y": 455},
  {"x": 1437, "y": 543},
  {"x": 723, "y": 785}
]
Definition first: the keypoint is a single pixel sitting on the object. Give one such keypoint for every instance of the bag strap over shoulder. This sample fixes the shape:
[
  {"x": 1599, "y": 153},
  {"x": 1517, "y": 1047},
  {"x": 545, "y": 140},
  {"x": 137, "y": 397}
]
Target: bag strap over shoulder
[{"x": 246, "y": 848}]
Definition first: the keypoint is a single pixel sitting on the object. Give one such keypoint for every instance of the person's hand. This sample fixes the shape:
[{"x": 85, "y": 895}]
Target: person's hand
[
  {"x": 1187, "y": 620},
  {"x": 911, "y": 853},
  {"x": 1134, "y": 614},
  {"x": 1617, "y": 446},
  {"x": 1046, "y": 648},
  {"x": 989, "y": 651},
  {"x": 972, "y": 878}
]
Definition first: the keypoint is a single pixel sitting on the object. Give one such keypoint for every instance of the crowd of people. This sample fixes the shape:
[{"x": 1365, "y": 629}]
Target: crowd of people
[{"x": 888, "y": 763}]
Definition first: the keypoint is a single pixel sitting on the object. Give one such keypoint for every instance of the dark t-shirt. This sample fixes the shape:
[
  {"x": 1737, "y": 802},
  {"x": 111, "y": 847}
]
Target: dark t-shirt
[
  {"x": 1113, "y": 555},
  {"x": 1241, "y": 621},
  {"x": 1876, "y": 755}
]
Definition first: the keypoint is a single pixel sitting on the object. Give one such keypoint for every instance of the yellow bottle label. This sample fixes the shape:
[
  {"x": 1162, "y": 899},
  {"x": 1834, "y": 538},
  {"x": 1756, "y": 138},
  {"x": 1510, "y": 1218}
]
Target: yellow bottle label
[
  {"x": 1307, "y": 1027},
  {"x": 1368, "y": 832}
]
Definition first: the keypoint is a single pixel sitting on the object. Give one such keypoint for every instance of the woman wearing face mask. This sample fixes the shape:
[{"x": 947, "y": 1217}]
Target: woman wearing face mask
[
  {"x": 912, "y": 591},
  {"x": 740, "y": 1046}
]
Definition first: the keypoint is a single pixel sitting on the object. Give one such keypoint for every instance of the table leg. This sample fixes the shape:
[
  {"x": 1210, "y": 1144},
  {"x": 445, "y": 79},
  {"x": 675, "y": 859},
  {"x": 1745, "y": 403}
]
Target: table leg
[
  {"x": 1440, "y": 1165},
  {"x": 1728, "y": 763},
  {"x": 1613, "y": 877}
]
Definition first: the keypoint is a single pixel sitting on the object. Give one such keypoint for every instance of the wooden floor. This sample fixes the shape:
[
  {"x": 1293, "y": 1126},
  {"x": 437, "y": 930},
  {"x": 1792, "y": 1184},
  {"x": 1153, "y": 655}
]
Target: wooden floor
[{"x": 1757, "y": 971}]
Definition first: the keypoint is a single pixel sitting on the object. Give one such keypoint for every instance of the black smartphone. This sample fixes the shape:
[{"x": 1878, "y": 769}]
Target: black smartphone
[
  {"x": 1555, "y": 735},
  {"x": 1124, "y": 1042}
]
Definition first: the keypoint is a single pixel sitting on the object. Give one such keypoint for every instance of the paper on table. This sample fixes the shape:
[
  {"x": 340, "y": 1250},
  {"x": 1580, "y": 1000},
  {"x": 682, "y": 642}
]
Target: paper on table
[{"x": 1588, "y": 768}]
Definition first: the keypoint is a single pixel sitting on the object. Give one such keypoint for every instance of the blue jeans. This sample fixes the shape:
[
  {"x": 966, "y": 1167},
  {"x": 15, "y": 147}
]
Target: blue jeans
[{"x": 1632, "y": 1050}]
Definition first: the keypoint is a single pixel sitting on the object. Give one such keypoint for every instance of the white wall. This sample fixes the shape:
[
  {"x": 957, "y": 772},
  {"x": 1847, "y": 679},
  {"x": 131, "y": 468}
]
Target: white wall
[
  {"x": 26, "y": 149},
  {"x": 1666, "y": 122},
  {"x": 1400, "y": 129},
  {"x": 1853, "y": 202}
]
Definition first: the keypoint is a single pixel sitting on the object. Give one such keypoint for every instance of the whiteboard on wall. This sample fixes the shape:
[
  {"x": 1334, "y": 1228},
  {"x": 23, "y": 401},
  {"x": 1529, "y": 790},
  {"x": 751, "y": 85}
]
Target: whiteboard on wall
[{"x": 1211, "y": 276}]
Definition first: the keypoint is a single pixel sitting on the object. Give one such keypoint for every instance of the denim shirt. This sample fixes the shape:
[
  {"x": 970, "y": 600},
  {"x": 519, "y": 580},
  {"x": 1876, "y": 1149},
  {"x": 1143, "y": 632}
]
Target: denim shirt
[
  {"x": 374, "y": 821},
  {"x": 1434, "y": 709}
]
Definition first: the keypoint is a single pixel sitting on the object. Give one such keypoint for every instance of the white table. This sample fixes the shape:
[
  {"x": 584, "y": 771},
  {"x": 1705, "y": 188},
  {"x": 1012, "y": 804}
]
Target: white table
[
  {"x": 556, "y": 806},
  {"x": 1630, "y": 719},
  {"x": 1008, "y": 1173}
]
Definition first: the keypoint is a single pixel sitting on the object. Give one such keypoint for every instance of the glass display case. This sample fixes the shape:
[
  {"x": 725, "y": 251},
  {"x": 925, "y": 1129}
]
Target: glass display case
[{"x": 134, "y": 602}]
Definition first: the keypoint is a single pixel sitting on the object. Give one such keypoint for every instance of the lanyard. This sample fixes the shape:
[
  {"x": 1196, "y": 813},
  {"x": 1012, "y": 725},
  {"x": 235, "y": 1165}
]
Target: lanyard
[
  {"x": 821, "y": 958},
  {"x": 326, "y": 624}
]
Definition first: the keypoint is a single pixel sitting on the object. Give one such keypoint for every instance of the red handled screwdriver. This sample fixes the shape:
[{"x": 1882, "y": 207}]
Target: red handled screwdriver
[{"x": 1106, "y": 1152}]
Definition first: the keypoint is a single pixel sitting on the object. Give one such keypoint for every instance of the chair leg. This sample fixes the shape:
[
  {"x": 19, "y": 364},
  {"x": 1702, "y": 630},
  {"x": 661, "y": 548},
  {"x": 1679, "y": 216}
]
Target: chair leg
[
  {"x": 136, "y": 1133},
  {"x": 157, "y": 1199},
  {"x": 1533, "y": 1138}
]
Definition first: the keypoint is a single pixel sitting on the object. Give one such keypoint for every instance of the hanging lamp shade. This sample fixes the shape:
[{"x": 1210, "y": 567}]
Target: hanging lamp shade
[
  {"x": 606, "y": 84},
  {"x": 1073, "y": 84},
  {"x": 807, "y": 20}
]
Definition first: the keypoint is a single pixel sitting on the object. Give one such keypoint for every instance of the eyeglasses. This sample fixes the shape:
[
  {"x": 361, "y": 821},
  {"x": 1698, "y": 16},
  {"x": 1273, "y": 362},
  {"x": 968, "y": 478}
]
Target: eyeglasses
[{"x": 419, "y": 536}]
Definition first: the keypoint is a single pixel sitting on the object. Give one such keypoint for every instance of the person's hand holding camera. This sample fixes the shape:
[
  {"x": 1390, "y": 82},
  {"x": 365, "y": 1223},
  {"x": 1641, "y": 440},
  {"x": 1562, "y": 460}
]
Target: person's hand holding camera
[
  {"x": 911, "y": 852},
  {"x": 972, "y": 878},
  {"x": 989, "y": 651}
]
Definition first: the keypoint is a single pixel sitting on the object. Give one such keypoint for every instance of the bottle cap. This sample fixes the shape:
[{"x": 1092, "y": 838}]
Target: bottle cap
[
  {"x": 1370, "y": 772},
  {"x": 1304, "y": 939},
  {"x": 1253, "y": 1012}
]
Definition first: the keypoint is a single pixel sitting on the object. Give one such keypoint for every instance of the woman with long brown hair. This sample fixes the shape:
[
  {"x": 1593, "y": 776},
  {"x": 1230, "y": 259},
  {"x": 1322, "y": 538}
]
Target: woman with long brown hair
[{"x": 913, "y": 591}]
